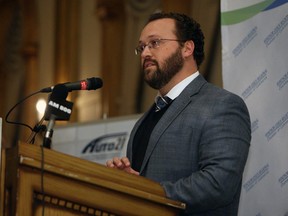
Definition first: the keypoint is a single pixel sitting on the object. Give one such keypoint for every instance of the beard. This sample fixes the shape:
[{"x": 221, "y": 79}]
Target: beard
[{"x": 161, "y": 76}]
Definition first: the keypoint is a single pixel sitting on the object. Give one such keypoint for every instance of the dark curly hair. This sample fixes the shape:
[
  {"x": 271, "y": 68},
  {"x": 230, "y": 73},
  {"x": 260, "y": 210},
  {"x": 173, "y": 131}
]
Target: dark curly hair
[{"x": 186, "y": 29}]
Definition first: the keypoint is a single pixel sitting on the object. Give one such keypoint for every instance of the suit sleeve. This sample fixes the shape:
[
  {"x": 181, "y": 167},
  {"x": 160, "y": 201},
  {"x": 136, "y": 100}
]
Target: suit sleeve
[{"x": 223, "y": 151}]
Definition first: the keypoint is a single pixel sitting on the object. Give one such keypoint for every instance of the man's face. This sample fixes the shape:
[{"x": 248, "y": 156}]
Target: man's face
[{"x": 160, "y": 64}]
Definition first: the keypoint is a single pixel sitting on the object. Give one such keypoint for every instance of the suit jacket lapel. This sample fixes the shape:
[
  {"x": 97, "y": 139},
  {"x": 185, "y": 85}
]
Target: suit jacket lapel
[{"x": 172, "y": 112}]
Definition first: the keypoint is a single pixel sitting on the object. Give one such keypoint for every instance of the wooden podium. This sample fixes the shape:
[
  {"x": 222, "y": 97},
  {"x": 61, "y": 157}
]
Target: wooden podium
[{"x": 40, "y": 179}]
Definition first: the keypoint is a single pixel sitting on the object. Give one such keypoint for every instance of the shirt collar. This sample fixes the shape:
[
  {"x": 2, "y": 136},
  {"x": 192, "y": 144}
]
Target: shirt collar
[{"x": 177, "y": 89}]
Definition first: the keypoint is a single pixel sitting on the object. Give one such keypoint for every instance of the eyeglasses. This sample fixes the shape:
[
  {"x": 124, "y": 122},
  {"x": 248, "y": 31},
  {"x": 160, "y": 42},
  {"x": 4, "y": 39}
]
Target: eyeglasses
[{"x": 153, "y": 44}]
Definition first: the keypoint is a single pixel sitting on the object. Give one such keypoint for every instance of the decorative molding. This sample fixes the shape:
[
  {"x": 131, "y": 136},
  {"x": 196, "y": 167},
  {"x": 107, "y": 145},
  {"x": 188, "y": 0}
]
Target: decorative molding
[
  {"x": 68, "y": 205},
  {"x": 142, "y": 5},
  {"x": 109, "y": 9}
]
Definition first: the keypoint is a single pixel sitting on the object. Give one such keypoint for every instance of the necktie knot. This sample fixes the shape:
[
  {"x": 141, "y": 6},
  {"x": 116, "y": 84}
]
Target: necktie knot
[{"x": 162, "y": 102}]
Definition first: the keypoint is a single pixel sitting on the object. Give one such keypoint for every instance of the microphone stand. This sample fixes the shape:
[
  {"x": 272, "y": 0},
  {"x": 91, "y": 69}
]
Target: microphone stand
[{"x": 49, "y": 132}]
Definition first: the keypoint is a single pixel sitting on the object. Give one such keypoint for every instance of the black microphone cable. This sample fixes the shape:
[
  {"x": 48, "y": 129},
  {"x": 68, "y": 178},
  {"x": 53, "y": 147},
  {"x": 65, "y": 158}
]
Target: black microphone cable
[{"x": 37, "y": 128}]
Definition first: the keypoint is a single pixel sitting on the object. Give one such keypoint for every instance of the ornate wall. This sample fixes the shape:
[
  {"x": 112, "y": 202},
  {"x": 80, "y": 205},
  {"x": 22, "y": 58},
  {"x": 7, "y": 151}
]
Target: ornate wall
[{"x": 48, "y": 42}]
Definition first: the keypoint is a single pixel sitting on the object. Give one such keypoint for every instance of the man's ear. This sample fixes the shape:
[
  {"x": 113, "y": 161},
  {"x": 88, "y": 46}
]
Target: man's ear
[{"x": 188, "y": 48}]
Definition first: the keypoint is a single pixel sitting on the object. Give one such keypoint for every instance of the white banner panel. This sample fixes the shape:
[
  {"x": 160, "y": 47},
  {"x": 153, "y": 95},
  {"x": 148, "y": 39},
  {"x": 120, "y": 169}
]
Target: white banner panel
[
  {"x": 255, "y": 66},
  {"x": 97, "y": 141}
]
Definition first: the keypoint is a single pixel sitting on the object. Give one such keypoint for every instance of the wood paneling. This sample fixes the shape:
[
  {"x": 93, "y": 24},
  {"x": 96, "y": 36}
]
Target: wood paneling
[
  {"x": 112, "y": 16},
  {"x": 67, "y": 45},
  {"x": 182, "y": 6}
]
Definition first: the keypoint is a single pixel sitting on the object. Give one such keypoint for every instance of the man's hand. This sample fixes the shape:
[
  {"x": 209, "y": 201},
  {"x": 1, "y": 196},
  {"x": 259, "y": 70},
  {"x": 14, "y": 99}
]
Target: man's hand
[{"x": 122, "y": 164}]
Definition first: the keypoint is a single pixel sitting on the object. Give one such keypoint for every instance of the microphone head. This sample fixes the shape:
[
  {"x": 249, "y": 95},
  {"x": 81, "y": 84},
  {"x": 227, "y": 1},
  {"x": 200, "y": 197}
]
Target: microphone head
[
  {"x": 94, "y": 83},
  {"x": 88, "y": 84}
]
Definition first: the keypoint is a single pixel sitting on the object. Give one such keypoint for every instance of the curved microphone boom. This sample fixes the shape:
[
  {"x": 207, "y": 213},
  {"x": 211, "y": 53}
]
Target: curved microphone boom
[{"x": 88, "y": 84}]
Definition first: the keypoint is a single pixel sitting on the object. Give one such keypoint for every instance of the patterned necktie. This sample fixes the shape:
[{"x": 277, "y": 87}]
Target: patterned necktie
[{"x": 161, "y": 102}]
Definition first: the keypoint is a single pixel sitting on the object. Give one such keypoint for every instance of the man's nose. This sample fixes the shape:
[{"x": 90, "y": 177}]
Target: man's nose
[{"x": 146, "y": 52}]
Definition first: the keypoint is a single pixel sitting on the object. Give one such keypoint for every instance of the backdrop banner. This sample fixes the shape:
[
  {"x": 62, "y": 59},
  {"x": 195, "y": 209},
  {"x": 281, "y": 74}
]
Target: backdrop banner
[
  {"x": 95, "y": 141},
  {"x": 255, "y": 66}
]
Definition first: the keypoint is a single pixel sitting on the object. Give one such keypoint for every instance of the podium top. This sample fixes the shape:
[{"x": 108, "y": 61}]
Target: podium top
[{"x": 90, "y": 172}]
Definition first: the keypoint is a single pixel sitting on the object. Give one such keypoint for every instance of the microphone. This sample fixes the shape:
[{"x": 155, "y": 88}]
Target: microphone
[
  {"x": 88, "y": 84},
  {"x": 57, "y": 99}
]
